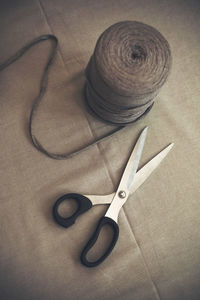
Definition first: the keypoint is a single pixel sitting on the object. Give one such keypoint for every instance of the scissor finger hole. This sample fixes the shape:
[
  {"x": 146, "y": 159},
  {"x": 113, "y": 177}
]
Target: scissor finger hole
[
  {"x": 67, "y": 208},
  {"x": 101, "y": 245}
]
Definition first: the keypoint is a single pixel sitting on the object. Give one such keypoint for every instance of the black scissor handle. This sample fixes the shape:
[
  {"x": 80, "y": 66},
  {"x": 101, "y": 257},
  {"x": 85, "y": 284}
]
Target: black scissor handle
[
  {"x": 83, "y": 203},
  {"x": 115, "y": 228}
]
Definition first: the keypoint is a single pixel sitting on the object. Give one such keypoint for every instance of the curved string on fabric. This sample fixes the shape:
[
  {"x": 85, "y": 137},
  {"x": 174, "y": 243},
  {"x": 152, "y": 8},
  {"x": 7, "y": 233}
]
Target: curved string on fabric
[
  {"x": 130, "y": 63},
  {"x": 42, "y": 91}
]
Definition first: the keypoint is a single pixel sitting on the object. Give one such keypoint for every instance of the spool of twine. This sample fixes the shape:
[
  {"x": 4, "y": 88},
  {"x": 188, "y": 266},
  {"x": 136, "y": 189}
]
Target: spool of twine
[{"x": 130, "y": 63}]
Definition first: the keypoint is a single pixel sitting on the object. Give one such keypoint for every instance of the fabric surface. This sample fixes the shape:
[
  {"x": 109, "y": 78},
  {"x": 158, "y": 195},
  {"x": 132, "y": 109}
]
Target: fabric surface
[{"x": 158, "y": 252}]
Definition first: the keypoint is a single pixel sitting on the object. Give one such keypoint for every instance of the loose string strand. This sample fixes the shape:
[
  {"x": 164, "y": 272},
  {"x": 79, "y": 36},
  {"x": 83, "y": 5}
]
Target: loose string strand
[
  {"x": 130, "y": 63},
  {"x": 39, "y": 98}
]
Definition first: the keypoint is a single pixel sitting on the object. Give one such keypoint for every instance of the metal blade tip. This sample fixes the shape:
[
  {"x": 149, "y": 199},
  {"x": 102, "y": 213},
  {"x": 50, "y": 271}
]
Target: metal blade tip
[
  {"x": 170, "y": 146},
  {"x": 144, "y": 131},
  {"x": 146, "y": 128}
]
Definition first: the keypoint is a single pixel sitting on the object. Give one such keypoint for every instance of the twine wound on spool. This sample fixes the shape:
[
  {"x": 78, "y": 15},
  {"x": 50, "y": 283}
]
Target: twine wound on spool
[{"x": 130, "y": 63}]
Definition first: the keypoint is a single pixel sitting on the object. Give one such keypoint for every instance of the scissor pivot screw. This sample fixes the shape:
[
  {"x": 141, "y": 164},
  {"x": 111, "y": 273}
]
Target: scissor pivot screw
[{"x": 122, "y": 194}]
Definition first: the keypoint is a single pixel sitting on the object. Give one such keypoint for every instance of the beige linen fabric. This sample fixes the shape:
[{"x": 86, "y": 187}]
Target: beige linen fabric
[{"x": 158, "y": 252}]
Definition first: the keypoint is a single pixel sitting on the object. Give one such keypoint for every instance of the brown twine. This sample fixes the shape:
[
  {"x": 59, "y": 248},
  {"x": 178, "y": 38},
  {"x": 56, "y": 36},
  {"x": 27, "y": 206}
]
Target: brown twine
[{"x": 130, "y": 64}]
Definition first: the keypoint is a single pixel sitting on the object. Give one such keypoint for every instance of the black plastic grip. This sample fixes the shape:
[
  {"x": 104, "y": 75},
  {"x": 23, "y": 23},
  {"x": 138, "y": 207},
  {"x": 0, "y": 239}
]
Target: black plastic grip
[
  {"x": 84, "y": 204},
  {"x": 103, "y": 221}
]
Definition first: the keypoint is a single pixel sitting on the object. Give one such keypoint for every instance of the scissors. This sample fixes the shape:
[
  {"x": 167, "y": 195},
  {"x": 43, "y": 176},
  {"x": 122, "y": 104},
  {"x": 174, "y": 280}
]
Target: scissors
[{"x": 131, "y": 180}]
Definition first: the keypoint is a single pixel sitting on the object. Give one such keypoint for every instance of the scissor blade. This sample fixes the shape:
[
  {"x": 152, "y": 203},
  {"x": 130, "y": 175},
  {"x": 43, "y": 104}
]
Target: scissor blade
[
  {"x": 123, "y": 190},
  {"x": 133, "y": 162},
  {"x": 140, "y": 177},
  {"x": 147, "y": 169}
]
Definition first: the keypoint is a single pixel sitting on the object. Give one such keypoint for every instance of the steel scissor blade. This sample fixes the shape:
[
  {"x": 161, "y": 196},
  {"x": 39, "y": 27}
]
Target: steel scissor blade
[
  {"x": 133, "y": 162},
  {"x": 126, "y": 181},
  {"x": 146, "y": 171},
  {"x": 140, "y": 177}
]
